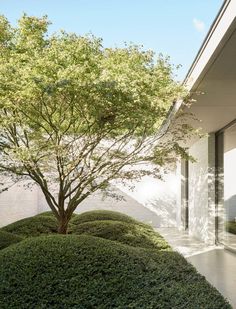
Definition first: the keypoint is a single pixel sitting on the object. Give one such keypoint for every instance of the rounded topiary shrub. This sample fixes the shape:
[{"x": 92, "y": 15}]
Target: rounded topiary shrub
[
  {"x": 33, "y": 226},
  {"x": 83, "y": 272},
  {"x": 7, "y": 239},
  {"x": 50, "y": 214},
  {"x": 230, "y": 227},
  {"x": 96, "y": 215},
  {"x": 46, "y": 214},
  {"x": 137, "y": 235}
]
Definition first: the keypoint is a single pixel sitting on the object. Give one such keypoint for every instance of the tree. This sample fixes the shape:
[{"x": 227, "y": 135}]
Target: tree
[{"x": 75, "y": 115}]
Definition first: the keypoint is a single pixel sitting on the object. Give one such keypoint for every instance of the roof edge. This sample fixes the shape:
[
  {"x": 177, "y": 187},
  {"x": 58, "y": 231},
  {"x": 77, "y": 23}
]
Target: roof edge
[
  {"x": 177, "y": 104},
  {"x": 207, "y": 39}
]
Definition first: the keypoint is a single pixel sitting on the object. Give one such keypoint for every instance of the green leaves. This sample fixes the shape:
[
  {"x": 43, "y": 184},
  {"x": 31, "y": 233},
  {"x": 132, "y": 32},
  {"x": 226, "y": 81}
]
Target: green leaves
[
  {"x": 76, "y": 114},
  {"x": 123, "y": 88},
  {"x": 31, "y": 33},
  {"x": 5, "y": 31},
  {"x": 90, "y": 272}
]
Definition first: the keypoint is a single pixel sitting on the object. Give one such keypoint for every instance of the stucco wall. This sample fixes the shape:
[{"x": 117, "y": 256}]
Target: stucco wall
[
  {"x": 158, "y": 196},
  {"x": 18, "y": 203},
  {"x": 202, "y": 190},
  {"x": 182, "y": 198},
  {"x": 152, "y": 201}
]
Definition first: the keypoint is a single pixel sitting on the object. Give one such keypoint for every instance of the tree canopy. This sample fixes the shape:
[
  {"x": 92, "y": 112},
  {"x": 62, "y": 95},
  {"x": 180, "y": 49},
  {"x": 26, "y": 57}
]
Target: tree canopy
[{"x": 75, "y": 115}]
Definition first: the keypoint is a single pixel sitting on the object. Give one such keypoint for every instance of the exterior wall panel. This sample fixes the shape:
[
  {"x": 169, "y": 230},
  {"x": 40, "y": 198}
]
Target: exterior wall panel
[
  {"x": 152, "y": 201},
  {"x": 202, "y": 190},
  {"x": 18, "y": 203}
]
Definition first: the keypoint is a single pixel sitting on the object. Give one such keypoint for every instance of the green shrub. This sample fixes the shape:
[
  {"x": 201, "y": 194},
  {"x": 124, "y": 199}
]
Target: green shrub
[
  {"x": 46, "y": 214},
  {"x": 96, "y": 215},
  {"x": 7, "y": 239},
  {"x": 231, "y": 227},
  {"x": 137, "y": 235},
  {"x": 82, "y": 272},
  {"x": 50, "y": 214},
  {"x": 33, "y": 226}
]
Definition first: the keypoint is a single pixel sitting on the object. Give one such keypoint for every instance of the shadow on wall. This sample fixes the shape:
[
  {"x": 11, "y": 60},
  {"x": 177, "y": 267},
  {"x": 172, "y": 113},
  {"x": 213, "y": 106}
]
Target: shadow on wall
[
  {"x": 202, "y": 201},
  {"x": 157, "y": 196},
  {"x": 127, "y": 205},
  {"x": 198, "y": 200},
  {"x": 155, "y": 208},
  {"x": 164, "y": 209},
  {"x": 152, "y": 201},
  {"x": 19, "y": 203}
]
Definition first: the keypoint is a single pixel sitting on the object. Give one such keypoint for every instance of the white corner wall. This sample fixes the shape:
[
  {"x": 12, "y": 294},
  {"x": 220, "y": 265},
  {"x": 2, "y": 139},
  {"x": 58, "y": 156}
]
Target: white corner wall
[
  {"x": 152, "y": 201},
  {"x": 158, "y": 196},
  {"x": 18, "y": 203},
  {"x": 202, "y": 190}
]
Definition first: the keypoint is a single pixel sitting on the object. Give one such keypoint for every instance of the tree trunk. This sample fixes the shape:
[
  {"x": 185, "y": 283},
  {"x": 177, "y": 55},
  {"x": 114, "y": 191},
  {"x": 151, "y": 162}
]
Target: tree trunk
[{"x": 63, "y": 226}]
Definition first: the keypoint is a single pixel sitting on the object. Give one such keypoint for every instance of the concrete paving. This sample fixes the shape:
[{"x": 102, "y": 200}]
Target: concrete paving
[
  {"x": 215, "y": 263},
  {"x": 183, "y": 243},
  {"x": 219, "y": 268}
]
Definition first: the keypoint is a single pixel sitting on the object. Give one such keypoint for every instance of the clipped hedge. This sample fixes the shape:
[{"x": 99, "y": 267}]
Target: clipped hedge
[
  {"x": 7, "y": 239},
  {"x": 46, "y": 223},
  {"x": 83, "y": 272},
  {"x": 96, "y": 215},
  {"x": 46, "y": 214},
  {"x": 137, "y": 235},
  {"x": 231, "y": 227},
  {"x": 126, "y": 230},
  {"x": 50, "y": 214},
  {"x": 33, "y": 226}
]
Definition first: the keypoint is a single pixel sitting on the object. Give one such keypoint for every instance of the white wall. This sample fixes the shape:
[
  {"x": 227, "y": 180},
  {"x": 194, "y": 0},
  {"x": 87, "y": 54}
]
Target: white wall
[
  {"x": 158, "y": 196},
  {"x": 18, "y": 203},
  {"x": 202, "y": 190},
  {"x": 152, "y": 201}
]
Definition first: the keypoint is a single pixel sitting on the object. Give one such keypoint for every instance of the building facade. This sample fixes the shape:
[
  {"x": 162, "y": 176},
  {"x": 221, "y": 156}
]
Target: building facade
[{"x": 207, "y": 206}]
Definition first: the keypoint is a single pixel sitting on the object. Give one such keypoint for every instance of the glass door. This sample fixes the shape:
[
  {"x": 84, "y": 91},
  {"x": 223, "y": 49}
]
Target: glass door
[{"x": 226, "y": 183}]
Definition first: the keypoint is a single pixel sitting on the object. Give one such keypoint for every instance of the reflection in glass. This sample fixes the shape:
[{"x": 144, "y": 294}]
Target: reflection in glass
[{"x": 229, "y": 190}]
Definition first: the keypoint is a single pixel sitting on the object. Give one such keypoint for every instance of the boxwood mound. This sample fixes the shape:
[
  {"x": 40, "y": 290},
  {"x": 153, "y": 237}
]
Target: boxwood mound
[
  {"x": 231, "y": 227},
  {"x": 96, "y": 215},
  {"x": 46, "y": 214},
  {"x": 7, "y": 239},
  {"x": 101, "y": 223},
  {"x": 133, "y": 234},
  {"x": 81, "y": 272},
  {"x": 33, "y": 226}
]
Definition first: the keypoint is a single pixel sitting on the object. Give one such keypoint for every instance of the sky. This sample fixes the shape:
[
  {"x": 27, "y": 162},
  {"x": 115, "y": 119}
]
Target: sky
[{"x": 175, "y": 28}]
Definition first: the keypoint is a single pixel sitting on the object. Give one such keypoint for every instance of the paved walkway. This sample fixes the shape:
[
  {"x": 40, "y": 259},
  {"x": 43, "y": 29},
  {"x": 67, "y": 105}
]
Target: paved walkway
[
  {"x": 181, "y": 242},
  {"x": 213, "y": 262}
]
